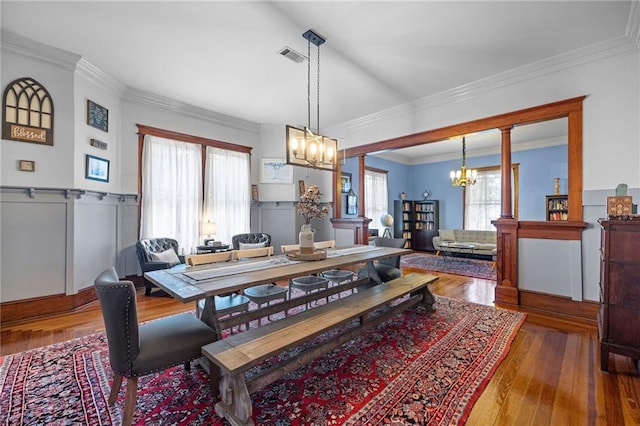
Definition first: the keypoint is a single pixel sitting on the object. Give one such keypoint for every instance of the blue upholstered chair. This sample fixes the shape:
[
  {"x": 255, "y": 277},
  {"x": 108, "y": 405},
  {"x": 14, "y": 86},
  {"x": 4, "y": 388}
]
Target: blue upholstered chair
[{"x": 155, "y": 254}]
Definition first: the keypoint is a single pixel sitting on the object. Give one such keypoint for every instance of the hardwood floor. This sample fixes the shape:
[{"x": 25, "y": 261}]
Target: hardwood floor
[{"x": 551, "y": 375}]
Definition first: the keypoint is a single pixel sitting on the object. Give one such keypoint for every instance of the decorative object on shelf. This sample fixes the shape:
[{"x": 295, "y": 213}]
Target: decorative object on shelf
[
  {"x": 345, "y": 182},
  {"x": 304, "y": 147},
  {"x": 619, "y": 205},
  {"x": 27, "y": 112},
  {"x": 26, "y": 165},
  {"x": 403, "y": 195},
  {"x": 556, "y": 186},
  {"x": 97, "y": 116},
  {"x": 425, "y": 194},
  {"x": 352, "y": 202},
  {"x": 386, "y": 220},
  {"x": 464, "y": 176},
  {"x": 96, "y": 168},
  {"x": 301, "y": 187},
  {"x": 309, "y": 208},
  {"x": 273, "y": 170},
  {"x": 97, "y": 144},
  {"x": 254, "y": 193},
  {"x": 209, "y": 229}
]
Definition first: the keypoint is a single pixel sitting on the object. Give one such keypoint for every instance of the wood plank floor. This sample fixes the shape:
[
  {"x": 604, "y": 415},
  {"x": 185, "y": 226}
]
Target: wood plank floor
[{"x": 551, "y": 375}]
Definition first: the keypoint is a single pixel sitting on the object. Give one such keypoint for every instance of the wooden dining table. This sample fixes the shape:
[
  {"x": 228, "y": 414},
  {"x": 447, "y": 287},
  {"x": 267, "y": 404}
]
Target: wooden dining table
[{"x": 190, "y": 284}]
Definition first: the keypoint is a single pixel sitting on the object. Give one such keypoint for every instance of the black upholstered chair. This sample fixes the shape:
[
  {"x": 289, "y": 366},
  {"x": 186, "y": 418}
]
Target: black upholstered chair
[
  {"x": 137, "y": 350},
  {"x": 389, "y": 268},
  {"x": 252, "y": 238},
  {"x": 153, "y": 255}
]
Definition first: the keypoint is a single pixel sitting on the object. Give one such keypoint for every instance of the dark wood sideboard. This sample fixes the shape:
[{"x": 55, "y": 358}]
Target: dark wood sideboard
[{"x": 619, "y": 316}]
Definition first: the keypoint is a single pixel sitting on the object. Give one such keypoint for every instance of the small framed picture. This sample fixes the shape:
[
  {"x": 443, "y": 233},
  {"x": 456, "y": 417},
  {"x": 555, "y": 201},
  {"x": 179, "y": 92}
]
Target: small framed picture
[
  {"x": 345, "y": 182},
  {"x": 254, "y": 193},
  {"x": 97, "y": 116},
  {"x": 301, "y": 187},
  {"x": 26, "y": 165},
  {"x": 96, "y": 168},
  {"x": 275, "y": 170}
]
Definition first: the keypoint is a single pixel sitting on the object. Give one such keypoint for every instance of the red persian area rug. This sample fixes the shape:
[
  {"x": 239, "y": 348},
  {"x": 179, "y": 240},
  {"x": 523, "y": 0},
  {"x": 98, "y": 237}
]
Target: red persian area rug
[
  {"x": 415, "y": 369},
  {"x": 475, "y": 268}
]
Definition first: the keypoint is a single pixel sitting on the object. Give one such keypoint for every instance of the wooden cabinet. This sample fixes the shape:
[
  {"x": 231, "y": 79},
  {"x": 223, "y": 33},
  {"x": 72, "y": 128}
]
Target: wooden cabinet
[
  {"x": 417, "y": 222},
  {"x": 619, "y": 316},
  {"x": 557, "y": 207}
]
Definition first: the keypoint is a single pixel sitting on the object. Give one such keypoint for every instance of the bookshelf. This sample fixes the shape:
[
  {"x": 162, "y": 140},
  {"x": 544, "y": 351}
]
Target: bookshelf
[
  {"x": 417, "y": 222},
  {"x": 557, "y": 207}
]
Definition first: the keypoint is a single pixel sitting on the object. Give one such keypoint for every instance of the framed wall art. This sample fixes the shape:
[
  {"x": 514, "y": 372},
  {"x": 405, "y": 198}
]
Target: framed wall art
[
  {"x": 27, "y": 112},
  {"x": 26, "y": 165},
  {"x": 345, "y": 182},
  {"x": 97, "y": 116},
  {"x": 274, "y": 170},
  {"x": 96, "y": 168}
]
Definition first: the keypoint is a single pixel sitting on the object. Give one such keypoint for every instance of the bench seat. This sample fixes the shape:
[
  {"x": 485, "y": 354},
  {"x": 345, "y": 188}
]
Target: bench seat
[{"x": 233, "y": 356}]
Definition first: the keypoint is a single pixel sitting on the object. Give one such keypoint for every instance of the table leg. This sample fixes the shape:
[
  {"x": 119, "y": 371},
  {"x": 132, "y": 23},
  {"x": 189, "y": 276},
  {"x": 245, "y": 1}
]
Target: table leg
[{"x": 210, "y": 317}]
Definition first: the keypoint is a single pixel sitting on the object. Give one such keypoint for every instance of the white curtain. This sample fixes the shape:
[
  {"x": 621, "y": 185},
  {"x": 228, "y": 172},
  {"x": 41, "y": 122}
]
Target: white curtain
[
  {"x": 376, "y": 197},
  {"x": 171, "y": 191},
  {"x": 227, "y": 198},
  {"x": 483, "y": 201}
]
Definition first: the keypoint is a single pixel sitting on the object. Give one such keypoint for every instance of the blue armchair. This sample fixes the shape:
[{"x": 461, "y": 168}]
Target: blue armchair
[{"x": 154, "y": 254}]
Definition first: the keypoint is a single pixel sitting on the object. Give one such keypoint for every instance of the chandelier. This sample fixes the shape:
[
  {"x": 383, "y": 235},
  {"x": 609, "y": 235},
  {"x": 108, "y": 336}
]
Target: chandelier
[
  {"x": 464, "y": 176},
  {"x": 305, "y": 147}
]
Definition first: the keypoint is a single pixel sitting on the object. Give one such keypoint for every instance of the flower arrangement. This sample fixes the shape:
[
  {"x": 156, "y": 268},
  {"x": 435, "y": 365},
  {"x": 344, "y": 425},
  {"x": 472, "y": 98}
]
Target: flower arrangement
[{"x": 309, "y": 206}]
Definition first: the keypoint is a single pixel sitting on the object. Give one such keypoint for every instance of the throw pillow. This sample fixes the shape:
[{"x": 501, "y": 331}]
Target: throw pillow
[
  {"x": 244, "y": 246},
  {"x": 447, "y": 234},
  {"x": 169, "y": 256}
]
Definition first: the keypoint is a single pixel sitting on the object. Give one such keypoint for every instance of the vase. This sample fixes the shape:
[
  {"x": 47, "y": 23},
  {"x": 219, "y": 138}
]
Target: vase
[{"x": 305, "y": 239}]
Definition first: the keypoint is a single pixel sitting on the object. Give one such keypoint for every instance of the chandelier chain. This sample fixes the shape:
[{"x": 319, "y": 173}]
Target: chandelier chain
[
  {"x": 318, "y": 95},
  {"x": 309, "y": 84}
]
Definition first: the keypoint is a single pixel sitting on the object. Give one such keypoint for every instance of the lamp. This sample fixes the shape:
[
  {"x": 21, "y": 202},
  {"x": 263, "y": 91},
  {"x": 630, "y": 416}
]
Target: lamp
[
  {"x": 208, "y": 229},
  {"x": 304, "y": 147},
  {"x": 464, "y": 176}
]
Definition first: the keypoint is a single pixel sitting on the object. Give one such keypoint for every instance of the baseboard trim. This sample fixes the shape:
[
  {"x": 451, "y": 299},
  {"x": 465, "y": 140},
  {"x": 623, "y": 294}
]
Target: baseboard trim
[
  {"x": 26, "y": 309},
  {"x": 584, "y": 312}
]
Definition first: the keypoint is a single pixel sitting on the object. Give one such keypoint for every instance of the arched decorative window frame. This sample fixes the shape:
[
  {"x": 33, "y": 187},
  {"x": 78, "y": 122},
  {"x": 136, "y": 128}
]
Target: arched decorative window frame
[{"x": 36, "y": 96}]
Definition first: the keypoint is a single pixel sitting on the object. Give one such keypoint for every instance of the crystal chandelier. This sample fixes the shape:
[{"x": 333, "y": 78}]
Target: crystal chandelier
[
  {"x": 304, "y": 147},
  {"x": 464, "y": 176}
]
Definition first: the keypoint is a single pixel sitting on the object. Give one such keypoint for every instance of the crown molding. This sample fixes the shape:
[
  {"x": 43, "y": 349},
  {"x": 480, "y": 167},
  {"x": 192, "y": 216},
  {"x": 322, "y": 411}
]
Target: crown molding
[
  {"x": 99, "y": 77},
  {"x": 495, "y": 150},
  {"x": 594, "y": 53},
  {"x": 152, "y": 100},
  {"x": 633, "y": 24},
  {"x": 31, "y": 49}
]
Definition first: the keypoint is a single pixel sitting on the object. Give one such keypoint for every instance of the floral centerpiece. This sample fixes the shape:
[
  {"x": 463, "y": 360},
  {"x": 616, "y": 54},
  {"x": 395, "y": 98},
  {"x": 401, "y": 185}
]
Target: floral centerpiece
[{"x": 309, "y": 208}]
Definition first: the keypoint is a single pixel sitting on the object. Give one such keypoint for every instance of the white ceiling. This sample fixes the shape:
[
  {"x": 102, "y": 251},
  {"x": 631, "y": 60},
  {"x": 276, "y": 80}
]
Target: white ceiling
[{"x": 223, "y": 55}]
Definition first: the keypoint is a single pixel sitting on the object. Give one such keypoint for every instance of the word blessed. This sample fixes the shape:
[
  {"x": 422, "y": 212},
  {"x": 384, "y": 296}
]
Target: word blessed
[{"x": 28, "y": 134}]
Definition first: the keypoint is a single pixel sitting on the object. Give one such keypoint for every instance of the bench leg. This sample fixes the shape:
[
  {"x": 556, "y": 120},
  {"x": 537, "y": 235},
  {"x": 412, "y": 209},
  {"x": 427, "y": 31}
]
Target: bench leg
[
  {"x": 427, "y": 299},
  {"x": 235, "y": 402}
]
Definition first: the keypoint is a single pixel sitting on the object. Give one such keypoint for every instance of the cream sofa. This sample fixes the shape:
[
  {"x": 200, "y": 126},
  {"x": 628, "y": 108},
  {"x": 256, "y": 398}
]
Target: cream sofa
[{"x": 484, "y": 241}]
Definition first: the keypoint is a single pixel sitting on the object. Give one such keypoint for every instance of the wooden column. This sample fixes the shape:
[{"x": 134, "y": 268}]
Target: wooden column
[
  {"x": 505, "y": 170},
  {"x": 361, "y": 167},
  {"x": 507, "y": 262},
  {"x": 337, "y": 192}
]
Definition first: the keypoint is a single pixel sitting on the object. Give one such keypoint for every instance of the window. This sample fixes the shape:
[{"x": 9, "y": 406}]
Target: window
[
  {"x": 177, "y": 197},
  {"x": 483, "y": 200},
  {"x": 376, "y": 196}
]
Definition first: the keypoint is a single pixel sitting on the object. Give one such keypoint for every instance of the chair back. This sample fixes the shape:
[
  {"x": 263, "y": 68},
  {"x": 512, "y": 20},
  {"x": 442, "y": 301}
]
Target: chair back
[
  {"x": 251, "y": 238},
  {"x": 393, "y": 261},
  {"x": 119, "y": 311},
  {"x": 200, "y": 259},
  {"x": 316, "y": 245},
  {"x": 253, "y": 252}
]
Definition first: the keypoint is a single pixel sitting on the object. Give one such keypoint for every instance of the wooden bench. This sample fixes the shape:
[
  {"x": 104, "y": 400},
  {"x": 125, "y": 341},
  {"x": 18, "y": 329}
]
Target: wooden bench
[{"x": 230, "y": 358}]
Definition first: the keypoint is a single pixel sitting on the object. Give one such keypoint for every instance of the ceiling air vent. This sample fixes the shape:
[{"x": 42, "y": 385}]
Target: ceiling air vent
[{"x": 288, "y": 52}]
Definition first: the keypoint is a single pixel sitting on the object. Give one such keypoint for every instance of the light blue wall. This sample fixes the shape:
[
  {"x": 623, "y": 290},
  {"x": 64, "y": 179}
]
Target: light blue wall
[{"x": 537, "y": 170}]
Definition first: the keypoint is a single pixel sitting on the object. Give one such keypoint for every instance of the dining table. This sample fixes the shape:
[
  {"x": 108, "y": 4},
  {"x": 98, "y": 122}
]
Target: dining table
[{"x": 193, "y": 283}]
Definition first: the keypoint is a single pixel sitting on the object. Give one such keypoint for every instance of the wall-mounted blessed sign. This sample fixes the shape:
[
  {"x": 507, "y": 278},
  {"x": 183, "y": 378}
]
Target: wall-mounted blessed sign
[{"x": 27, "y": 112}]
